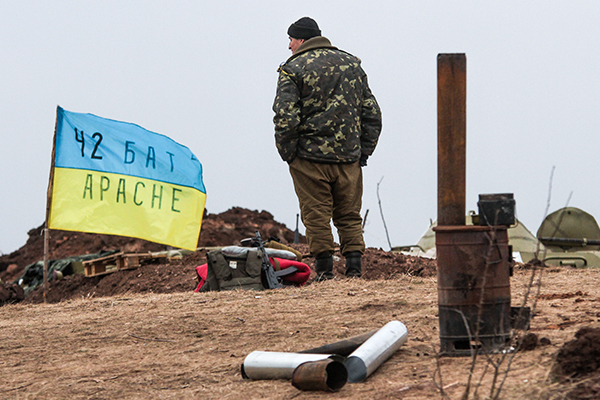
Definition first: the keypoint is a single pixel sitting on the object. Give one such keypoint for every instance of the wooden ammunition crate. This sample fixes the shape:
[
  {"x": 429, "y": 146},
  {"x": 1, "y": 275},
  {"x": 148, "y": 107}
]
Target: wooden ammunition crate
[{"x": 113, "y": 263}]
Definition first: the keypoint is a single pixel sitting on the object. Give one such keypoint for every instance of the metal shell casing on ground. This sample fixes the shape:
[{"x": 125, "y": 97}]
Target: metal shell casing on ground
[
  {"x": 343, "y": 347},
  {"x": 368, "y": 357},
  {"x": 327, "y": 375},
  {"x": 277, "y": 365}
]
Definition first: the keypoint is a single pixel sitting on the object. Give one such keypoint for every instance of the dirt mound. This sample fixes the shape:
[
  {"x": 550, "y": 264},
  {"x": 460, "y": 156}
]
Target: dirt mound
[
  {"x": 239, "y": 223},
  {"x": 161, "y": 276},
  {"x": 11, "y": 293},
  {"x": 581, "y": 356},
  {"x": 174, "y": 276},
  {"x": 578, "y": 362},
  {"x": 222, "y": 229},
  {"x": 63, "y": 244},
  {"x": 180, "y": 275}
]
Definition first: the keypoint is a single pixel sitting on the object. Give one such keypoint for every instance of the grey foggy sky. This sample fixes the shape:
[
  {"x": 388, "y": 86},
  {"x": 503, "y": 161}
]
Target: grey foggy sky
[{"x": 204, "y": 74}]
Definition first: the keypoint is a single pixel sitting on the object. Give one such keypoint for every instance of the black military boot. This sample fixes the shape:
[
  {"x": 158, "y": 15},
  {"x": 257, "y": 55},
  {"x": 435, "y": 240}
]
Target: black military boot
[
  {"x": 353, "y": 264},
  {"x": 324, "y": 266}
]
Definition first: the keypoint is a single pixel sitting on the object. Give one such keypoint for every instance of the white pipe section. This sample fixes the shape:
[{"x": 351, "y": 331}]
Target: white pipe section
[
  {"x": 275, "y": 365},
  {"x": 372, "y": 353}
]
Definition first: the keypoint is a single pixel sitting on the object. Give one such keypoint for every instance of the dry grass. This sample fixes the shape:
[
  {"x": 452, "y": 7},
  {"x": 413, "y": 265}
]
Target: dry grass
[{"x": 189, "y": 345}]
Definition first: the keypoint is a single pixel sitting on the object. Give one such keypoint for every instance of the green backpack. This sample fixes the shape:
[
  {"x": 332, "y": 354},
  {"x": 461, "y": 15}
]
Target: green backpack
[{"x": 228, "y": 272}]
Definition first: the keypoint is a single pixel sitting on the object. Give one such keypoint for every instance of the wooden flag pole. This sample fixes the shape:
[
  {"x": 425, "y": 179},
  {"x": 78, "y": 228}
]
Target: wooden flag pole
[{"x": 48, "y": 203}]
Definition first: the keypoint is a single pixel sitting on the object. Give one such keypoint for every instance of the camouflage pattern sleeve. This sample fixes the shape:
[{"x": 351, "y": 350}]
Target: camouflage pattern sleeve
[
  {"x": 370, "y": 120},
  {"x": 287, "y": 116},
  {"x": 324, "y": 109}
]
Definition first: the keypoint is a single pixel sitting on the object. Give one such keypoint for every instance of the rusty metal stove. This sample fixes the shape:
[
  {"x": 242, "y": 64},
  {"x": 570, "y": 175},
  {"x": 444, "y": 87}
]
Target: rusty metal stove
[
  {"x": 473, "y": 288},
  {"x": 473, "y": 261}
]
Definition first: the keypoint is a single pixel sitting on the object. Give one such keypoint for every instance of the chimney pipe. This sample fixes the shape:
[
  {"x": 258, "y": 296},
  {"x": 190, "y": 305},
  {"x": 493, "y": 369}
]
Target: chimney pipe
[{"x": 452, "y": 123}]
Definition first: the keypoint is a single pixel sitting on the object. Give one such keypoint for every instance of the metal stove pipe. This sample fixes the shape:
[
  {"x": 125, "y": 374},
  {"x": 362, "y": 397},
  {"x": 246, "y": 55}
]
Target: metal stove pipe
[
  {"x": 328, "y": 375},
  {"x": 368, "y": 357},
  {"x": 473, "y": 261},
  {"x": 452, "y": 128},
  {"x": 343, "y": 347},
  {"x": 277, "y": 365}
]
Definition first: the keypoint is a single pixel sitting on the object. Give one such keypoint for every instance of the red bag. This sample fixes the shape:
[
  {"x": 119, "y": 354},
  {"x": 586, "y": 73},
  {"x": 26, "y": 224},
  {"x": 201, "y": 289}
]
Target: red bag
[
  {"x": 299, "y": 278},
  {"x": 201, "y": 272}
]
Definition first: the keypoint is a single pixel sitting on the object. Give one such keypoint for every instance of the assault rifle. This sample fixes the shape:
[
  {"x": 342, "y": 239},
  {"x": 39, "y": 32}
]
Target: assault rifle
[{"x": 270, "y": 280}]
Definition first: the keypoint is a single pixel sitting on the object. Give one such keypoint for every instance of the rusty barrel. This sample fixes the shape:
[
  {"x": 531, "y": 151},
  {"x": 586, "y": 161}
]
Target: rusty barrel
[{"x": 473, "y": 288}]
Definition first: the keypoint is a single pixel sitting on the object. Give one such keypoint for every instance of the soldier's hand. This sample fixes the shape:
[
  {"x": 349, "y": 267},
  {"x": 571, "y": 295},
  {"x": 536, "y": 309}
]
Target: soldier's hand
[{"x": 363, "y": 160}]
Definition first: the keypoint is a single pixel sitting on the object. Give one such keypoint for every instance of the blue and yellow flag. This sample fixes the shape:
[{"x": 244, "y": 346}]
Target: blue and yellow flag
[{"x": 117, "y": 178}]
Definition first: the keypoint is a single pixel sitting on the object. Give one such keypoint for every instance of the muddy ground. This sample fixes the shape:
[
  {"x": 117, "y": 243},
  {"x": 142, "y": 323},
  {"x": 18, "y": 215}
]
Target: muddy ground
[{"x": 143, "y": 333}]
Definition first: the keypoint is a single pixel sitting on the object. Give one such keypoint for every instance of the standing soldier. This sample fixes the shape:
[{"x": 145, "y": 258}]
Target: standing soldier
[{"x": 327, "y": 123}]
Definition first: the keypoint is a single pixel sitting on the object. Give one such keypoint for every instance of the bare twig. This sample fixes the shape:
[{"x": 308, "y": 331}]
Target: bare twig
[
  {"x": 537, "y": 251},
  {"x": 365, "y": 220},
  {"x": 532, "y": 281},
  {"x": 448, "y": 386},
  {"x": 492, "y": 244},
  {"x": 481, "y": 378},
  {"x": 465, "y": 395},
  {"x": 560, "y": 218},
  {"x": 97, "y": 380},
  {"x": 383, "y": 219},
  {"x": 18, "y": 387},
  {"x": 437, "y": 374},
  {"x": 492, "y": 361},
  {"x": 530, "y": 285},
  {"x": 532, "y": 312}
]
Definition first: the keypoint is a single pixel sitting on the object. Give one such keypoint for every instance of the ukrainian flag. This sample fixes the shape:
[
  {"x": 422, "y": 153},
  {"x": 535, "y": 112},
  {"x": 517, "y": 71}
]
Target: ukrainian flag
[{"x": 117, "y": 178}]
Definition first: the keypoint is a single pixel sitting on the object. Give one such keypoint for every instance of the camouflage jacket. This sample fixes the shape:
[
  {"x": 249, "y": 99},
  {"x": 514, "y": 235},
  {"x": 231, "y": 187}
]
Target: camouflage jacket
[{"x": 324, "y": 109}]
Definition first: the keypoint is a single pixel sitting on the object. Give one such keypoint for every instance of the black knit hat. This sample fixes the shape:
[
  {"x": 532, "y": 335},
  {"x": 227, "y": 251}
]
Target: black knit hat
[{"x": 304, "y": 28}]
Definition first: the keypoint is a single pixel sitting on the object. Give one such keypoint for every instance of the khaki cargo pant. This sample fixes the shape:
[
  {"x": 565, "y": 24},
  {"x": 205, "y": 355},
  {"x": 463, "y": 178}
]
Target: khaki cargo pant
[{"x": 329, "y": 192}]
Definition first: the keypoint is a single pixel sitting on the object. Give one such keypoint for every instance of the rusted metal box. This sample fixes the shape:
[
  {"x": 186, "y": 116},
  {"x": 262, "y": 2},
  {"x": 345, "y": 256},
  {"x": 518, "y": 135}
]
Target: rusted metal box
[{"x": 496, "y": 209}]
